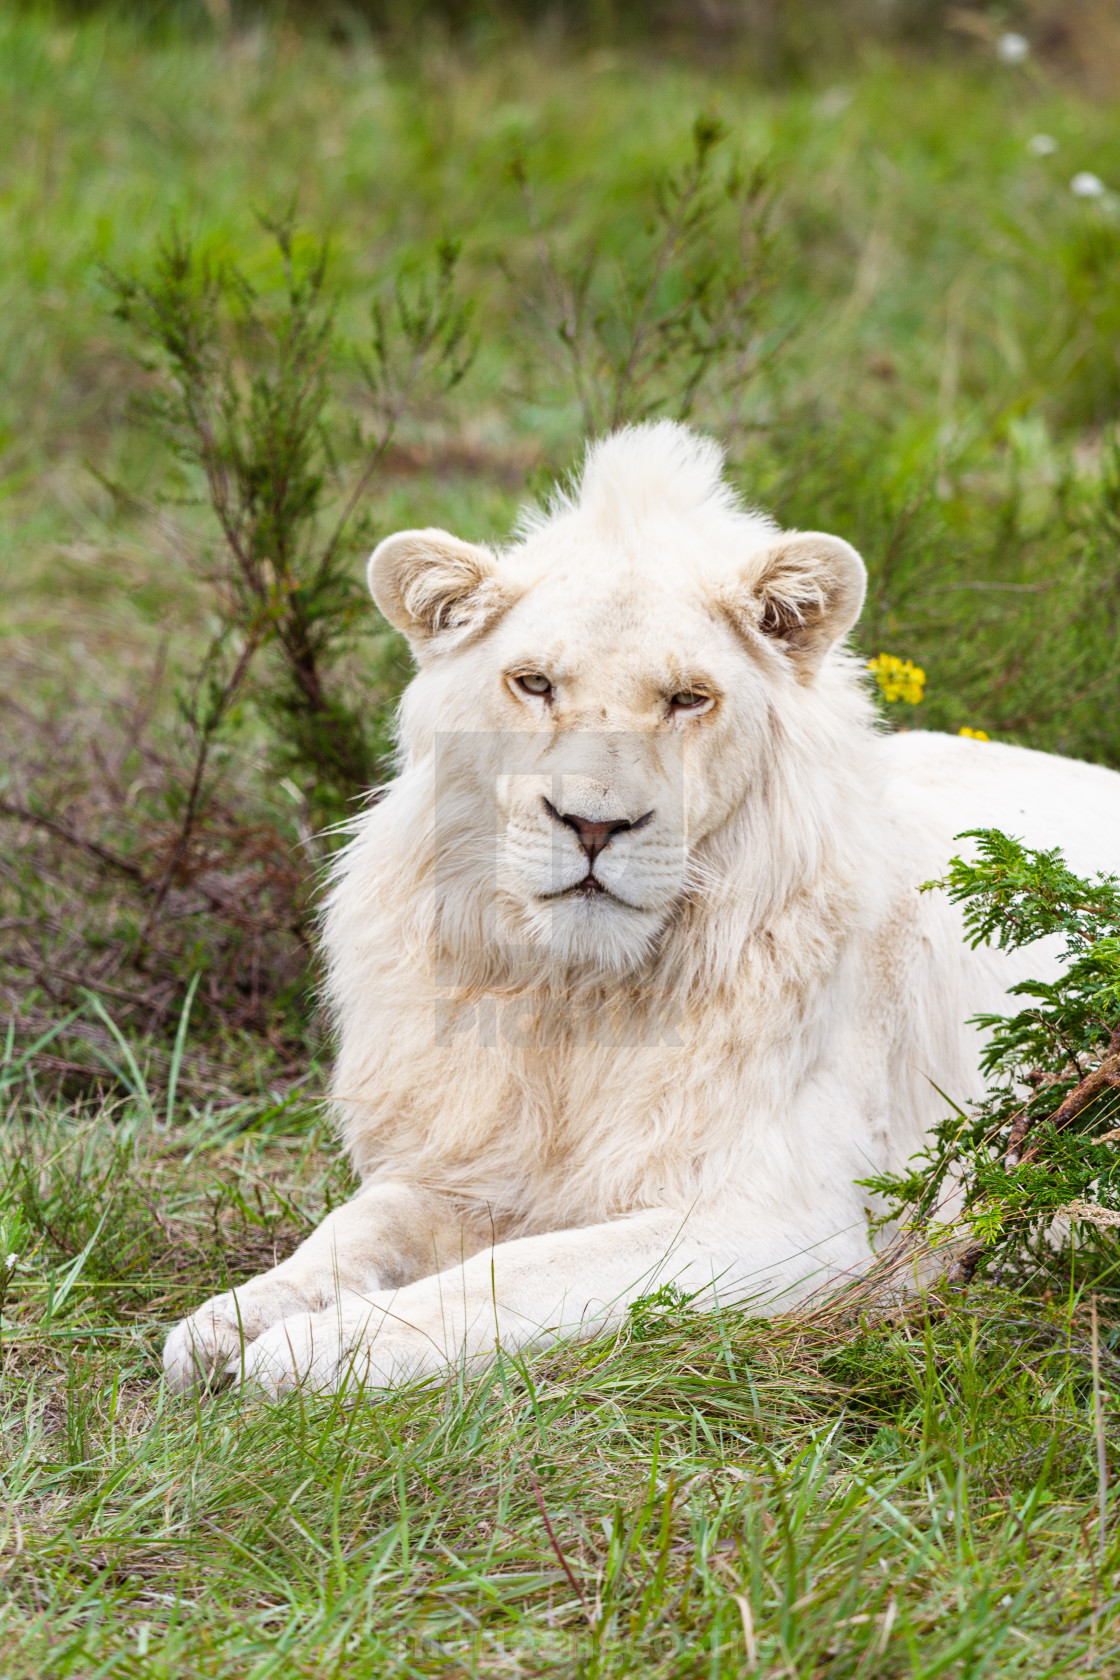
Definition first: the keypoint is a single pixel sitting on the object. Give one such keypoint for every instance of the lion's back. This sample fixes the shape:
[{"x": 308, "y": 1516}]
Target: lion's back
[{"x": 949, "y": 783}]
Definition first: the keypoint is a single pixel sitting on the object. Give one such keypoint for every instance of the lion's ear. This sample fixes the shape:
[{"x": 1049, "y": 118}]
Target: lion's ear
[
  {"x": 433, "y": 586},
  {"x": 804, "y": 590}
]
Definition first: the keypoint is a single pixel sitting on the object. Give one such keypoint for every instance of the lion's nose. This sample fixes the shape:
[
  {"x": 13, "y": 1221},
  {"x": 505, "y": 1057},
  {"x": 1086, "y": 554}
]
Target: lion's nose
[{"x": 593, "y": 836}]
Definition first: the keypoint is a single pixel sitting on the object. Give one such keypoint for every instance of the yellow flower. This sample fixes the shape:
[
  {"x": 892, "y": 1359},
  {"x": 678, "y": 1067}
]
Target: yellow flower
[
  {"x": 899, "y": 679},
  {"x": 975, "y": 734}
]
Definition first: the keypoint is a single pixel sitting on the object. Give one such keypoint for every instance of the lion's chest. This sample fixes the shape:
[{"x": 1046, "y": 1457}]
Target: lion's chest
[{"x": 560, "y": 1117}]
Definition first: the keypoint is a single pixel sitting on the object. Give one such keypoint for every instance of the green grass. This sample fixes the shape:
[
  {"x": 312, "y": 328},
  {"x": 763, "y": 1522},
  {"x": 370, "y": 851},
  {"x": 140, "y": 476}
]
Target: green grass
[
  {"x": 916, "y": 1499},
  {"x": 944, "y": 316},
  {"x": 941, "y": 387}
]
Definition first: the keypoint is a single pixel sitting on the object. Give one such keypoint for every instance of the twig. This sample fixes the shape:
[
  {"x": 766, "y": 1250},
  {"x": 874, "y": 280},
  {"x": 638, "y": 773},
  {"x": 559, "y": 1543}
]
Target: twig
[
  {"x": 1106, "y": 1073},
  {"x": 559, "y": 1550},
  {"x": 62, "y": 831},
  {"x": 964, "y": 1267},
  {"x": 202, "y": 758},
  {"x": 1019, "y": 1129}
]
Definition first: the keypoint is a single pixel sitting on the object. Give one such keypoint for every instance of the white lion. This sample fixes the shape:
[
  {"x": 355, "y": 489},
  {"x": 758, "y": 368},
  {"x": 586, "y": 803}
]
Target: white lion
[{"x": 631, "y": 976}]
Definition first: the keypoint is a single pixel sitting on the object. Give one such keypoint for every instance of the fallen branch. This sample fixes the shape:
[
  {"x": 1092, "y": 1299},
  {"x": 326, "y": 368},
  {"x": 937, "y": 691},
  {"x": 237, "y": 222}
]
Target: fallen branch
[{"x": 1105, "y": 1074}]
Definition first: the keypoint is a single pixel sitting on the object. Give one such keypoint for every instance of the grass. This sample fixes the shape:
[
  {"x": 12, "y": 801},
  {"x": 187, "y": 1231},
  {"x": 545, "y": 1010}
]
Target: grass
[
  {"x": 937, "y": 381},
  {"x": 820, "y": 1497},
  {"x": 943, "y": 323}
]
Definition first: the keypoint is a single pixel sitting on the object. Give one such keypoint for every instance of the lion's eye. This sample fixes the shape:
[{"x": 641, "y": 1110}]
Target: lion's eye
[
  {"x": 534, "y": 683},
  {"x": 687, "y": 701}
]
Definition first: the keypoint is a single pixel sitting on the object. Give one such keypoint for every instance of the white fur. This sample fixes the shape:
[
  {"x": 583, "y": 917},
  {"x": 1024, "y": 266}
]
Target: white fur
[{"x": 558, "y": 1101}]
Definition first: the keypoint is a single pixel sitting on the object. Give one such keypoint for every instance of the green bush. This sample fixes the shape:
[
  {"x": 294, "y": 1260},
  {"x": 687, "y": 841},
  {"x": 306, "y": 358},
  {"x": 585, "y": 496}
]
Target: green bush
[
  {"x": 1044, "y": 1146},
  {"x": 245, "y": 397}
]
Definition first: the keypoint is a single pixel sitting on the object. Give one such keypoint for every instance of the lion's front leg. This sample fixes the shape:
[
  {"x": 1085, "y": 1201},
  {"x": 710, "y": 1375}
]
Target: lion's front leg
[
  {"x": 390, "y": 1234},
  {"x": 532, "y": 1291},
  {"x": 520, "y": 1294}
]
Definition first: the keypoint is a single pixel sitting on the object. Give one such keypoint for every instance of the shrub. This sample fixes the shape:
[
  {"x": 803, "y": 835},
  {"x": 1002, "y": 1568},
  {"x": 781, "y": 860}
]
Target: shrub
[
  {"x": 165, "y": 852},
  {"x": 1044, "y": 1145},
  {"x": 662, "y": 313},
  {"x": 244, "y": 396}
]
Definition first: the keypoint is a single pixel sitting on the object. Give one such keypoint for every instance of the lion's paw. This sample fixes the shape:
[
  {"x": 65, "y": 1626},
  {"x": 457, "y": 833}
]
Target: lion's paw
[
  {"x": 213, "y": 1342},
  {"x": 308, "y": 1352},
  {"x": 201, "y": 1347},
  {"x": 329, "y": 1352}
]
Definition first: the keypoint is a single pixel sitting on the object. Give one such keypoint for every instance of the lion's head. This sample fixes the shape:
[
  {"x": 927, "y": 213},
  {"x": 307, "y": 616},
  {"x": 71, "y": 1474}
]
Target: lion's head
[{"x": 601, "y": 697}]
